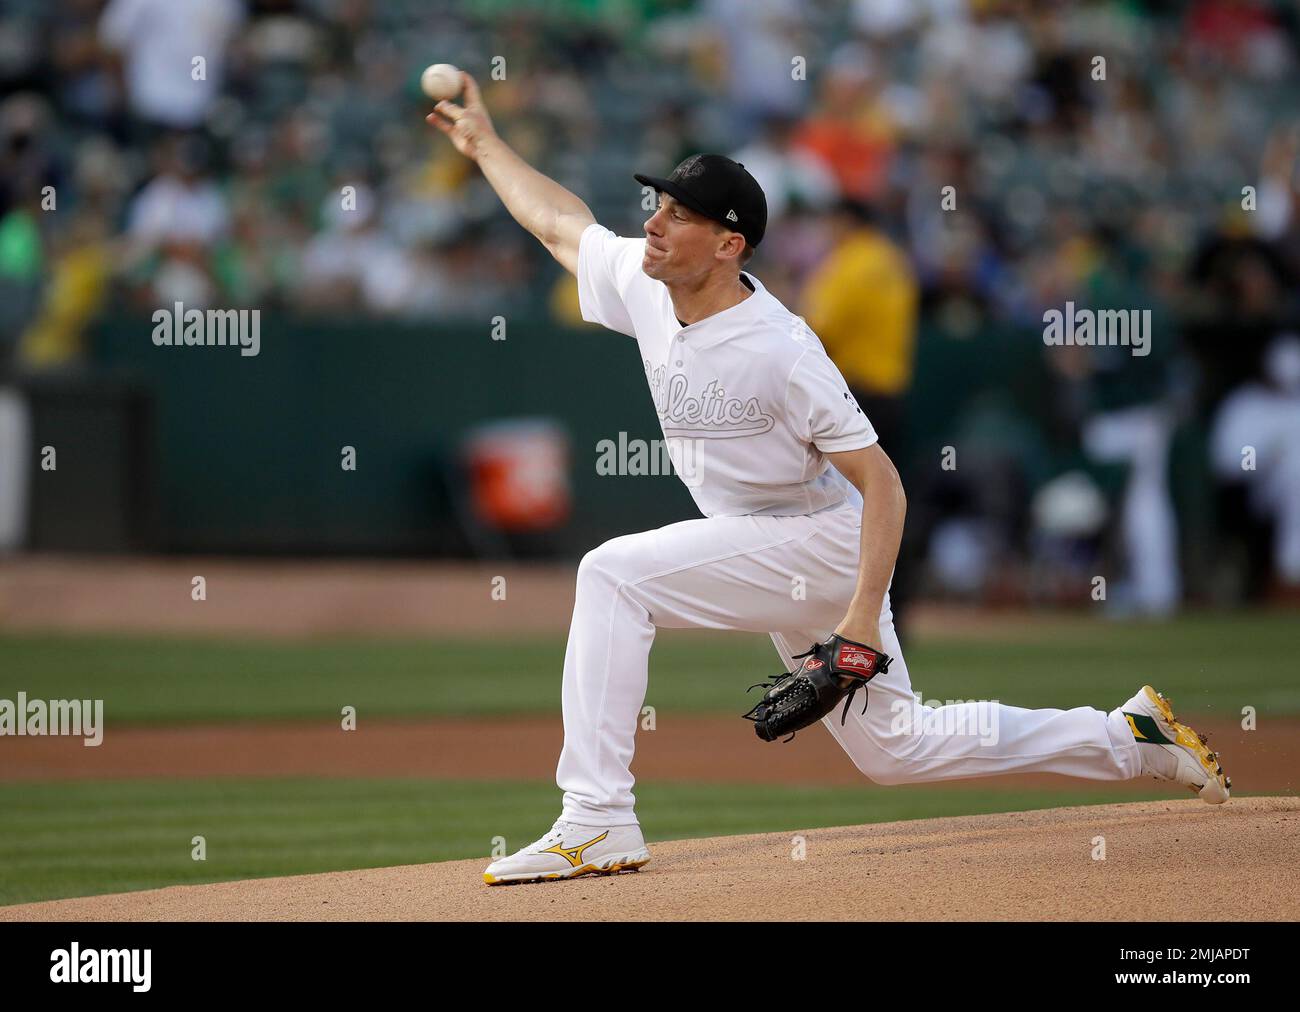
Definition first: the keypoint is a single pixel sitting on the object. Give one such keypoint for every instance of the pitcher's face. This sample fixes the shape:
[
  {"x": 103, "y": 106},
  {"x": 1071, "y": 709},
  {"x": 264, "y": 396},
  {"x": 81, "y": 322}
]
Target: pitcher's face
[{"x": 681, "y": 244}]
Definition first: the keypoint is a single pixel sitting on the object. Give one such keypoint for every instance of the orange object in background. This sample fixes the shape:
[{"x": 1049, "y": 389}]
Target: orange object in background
[{"x": 519, "y": 474}]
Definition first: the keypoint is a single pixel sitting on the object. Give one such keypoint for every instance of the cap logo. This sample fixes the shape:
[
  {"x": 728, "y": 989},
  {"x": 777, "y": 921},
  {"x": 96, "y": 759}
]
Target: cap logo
[
  {"x": 731, "y": 216},
  {"x": 689, "y": 169}
]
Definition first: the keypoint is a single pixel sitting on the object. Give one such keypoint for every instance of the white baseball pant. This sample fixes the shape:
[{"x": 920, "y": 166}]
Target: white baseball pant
[{"x": 794, "y": 575}]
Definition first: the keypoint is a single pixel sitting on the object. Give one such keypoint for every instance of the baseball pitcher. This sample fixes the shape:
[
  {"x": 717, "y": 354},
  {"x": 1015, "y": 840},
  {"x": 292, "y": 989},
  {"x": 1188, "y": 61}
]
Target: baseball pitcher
[{"x": 802, "y": 516}]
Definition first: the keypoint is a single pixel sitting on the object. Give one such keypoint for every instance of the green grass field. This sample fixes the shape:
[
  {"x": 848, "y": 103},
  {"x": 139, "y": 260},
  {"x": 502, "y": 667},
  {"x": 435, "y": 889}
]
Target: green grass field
[
  {"x": 1212, "y": 662},
  {"x": 85, "y": 838},
  {"x": 71, "y": 839}
]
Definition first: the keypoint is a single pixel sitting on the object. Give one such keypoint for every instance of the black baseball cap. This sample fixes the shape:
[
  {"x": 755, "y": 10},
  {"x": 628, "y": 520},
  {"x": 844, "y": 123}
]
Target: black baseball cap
[{"x": 720, "y": 189}]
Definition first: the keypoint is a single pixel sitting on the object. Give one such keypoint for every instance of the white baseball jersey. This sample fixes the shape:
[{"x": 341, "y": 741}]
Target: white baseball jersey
[{"x": 747, "y": 398}]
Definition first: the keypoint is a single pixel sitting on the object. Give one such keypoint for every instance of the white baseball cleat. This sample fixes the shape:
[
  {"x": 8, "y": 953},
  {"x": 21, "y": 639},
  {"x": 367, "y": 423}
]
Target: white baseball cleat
[
  {"x": 570, "y": 850},
  {"x": 1175, "y": 751}
]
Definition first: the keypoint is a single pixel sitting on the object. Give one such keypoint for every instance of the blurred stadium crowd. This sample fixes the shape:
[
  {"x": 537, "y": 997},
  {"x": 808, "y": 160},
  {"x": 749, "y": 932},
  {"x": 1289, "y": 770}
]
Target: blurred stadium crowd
[{"x": 1163, "y": 177}]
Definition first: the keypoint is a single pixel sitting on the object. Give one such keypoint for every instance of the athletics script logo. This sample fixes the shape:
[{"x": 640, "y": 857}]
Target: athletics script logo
[{"x": 711, "y": 415}]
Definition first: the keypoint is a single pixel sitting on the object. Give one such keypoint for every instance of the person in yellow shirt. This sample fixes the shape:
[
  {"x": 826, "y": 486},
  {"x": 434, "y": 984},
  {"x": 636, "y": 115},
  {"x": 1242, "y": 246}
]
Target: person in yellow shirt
[
  {"x": 862, "y": 302},
  {"x": 74, "y": 295}
]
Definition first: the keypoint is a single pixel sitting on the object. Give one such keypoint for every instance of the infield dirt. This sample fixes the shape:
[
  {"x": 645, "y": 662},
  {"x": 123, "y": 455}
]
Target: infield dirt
[
  {"x": 1180, "y": 860},
  {"x": 684, "y": 748}
]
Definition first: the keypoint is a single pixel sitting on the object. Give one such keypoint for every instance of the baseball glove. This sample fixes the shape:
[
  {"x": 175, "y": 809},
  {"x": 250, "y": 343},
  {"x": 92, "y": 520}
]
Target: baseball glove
[{"x": 798, "y": 698}]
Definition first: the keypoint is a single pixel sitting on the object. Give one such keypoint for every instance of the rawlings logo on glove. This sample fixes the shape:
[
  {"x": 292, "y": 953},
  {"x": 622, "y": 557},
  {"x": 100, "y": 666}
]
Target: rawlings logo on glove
[{"x": 829, "y": 672}]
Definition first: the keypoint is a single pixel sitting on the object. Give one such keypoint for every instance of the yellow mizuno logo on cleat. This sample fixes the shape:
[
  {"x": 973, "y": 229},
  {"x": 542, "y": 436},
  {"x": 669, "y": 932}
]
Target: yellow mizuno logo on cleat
[
  {"x": 1132, "y": 726},
  {"x": 574, "y": 854}
]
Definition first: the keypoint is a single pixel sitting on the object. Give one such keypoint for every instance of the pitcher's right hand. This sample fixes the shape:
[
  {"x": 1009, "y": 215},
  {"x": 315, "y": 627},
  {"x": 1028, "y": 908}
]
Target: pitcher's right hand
[{"x": 469, "y": 126}]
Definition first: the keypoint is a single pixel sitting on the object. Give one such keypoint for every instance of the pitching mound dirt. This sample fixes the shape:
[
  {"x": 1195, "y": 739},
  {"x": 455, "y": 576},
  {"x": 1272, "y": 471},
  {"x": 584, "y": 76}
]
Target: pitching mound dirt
[{"x": 1234, "y": 862}]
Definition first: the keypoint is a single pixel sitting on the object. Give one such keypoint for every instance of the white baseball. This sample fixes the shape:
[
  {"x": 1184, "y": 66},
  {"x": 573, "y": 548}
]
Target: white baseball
[{"x": 440, "y": 81}]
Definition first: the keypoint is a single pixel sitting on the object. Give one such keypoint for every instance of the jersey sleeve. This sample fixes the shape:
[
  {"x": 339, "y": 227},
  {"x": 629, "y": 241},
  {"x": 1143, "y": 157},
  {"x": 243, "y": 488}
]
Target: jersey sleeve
[
  {"x": 821, "y": 409},
  {"x": 607, "y": 268}
]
